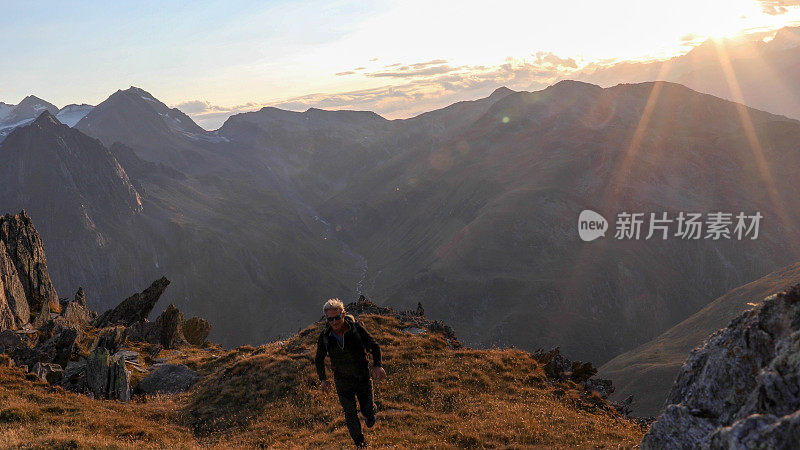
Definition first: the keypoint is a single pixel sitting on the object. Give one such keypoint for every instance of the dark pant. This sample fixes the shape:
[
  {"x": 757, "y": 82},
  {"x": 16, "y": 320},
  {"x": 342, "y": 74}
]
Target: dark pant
[{"x": 348, "y": 390}]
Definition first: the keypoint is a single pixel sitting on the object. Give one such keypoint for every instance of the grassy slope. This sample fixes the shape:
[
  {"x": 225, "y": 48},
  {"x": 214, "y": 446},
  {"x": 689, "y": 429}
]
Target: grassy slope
[
  {"x": 267, "y": 396},
  {"x": 649, "y": 370}
]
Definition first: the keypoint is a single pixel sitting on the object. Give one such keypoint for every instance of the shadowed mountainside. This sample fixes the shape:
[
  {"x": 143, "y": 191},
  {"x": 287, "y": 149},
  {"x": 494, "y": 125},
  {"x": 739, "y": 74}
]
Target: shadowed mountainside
[{"x": 648, "y": 371}]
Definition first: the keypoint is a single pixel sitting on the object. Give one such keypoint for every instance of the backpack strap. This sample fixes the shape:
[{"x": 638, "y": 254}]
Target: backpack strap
[{"x": 353, "y": 324}]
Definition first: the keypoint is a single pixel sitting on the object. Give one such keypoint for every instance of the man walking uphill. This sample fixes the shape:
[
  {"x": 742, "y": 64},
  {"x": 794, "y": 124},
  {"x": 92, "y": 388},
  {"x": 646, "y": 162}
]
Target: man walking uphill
[{"x": 347, "y": 341}]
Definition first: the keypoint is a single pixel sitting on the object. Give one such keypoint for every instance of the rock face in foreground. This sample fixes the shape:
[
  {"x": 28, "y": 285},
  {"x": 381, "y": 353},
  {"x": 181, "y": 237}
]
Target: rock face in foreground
[
  {"x": 25, "y": 285},
  {"x": 740, "y": 389},
  {"x": 62, "y": 341}
]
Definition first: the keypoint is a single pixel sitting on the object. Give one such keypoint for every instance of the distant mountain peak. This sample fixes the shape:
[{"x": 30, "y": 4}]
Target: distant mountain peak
[
  {"x": 502, "y": 91},
  {"x": 46, "y": 119}
]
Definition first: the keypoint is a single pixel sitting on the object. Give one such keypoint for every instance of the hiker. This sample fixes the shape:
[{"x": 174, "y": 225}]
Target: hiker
[{"x": 347, "y": 341}]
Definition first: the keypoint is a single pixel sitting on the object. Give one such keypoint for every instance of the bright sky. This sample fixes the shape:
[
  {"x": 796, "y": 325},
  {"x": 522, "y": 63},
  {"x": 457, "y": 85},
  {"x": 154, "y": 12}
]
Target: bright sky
[{"x": 227, "y": 55}]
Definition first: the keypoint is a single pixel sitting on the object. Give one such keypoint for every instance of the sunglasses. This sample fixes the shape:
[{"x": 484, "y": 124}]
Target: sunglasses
[{"x": 331, "y": 319}]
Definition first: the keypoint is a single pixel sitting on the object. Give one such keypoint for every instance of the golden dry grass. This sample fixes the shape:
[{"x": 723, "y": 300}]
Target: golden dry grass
[{"x": 433, "y": 397}]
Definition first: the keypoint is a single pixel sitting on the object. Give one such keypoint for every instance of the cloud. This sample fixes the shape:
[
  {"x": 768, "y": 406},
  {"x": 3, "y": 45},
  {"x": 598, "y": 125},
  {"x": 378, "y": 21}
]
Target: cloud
[
  {"x": 360, "y": 68},
  {"x": 408, "y": 72},
  {"x": 349, "y": 72},
  {"x": 393, "y": 65},
  {"x": 778, "y": 7},
  {"x": 373, "y": 59},
  {"x": 417, "y": 88},
  {"x": 429, "y": 63},
  {"x": 544, "y": 58},
  {"x": 211, "y": 116}
]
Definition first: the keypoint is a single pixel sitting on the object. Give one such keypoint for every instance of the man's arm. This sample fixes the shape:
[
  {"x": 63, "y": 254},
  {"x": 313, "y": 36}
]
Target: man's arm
[
  {"x": 371, "y": 345},
  {"x": 319, "y": 360}
]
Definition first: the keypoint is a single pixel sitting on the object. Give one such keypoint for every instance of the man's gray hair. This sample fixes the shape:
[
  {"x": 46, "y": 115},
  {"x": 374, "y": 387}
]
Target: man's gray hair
[{"x": 333, "y": 304}]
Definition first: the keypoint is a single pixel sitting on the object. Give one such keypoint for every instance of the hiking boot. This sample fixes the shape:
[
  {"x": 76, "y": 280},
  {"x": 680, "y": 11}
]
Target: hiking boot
[
  {"x": 362, "y": 444},
  {"x": 369, "y": 421}
]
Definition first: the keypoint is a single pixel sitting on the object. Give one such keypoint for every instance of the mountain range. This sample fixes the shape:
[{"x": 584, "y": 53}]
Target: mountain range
[
  {"x": 13, "y": 116},
  {"x": 758, "y": 72},
  {"x": 470, "y": 209}
]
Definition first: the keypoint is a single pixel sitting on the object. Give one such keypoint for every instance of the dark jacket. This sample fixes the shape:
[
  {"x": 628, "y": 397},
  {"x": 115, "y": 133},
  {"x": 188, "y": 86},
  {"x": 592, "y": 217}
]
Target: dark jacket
[{"x": 351, "y": 361}]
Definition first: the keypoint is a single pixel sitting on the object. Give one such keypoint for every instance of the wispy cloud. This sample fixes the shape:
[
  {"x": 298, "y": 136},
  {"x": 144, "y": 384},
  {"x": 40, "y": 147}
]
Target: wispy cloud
[
  {"x": 349, "y": 72},
  {"x": 409, "y": 72},
  {"x": 778, "y": 7},
  {"x": 423, "y": 87}
]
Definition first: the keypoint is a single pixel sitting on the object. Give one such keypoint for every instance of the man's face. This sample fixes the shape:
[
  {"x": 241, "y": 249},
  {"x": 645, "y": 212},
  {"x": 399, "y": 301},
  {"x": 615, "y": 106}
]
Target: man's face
[{"x": 336, "y": 318}]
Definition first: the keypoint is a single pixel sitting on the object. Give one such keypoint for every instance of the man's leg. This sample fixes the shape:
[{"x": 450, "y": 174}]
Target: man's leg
[
  {"x": 347, "y": 397},
  {"x": 366, "y": 402}
]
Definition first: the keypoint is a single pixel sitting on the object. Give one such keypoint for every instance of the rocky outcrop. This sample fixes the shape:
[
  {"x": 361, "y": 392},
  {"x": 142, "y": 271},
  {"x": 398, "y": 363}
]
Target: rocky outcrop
[
  {"x": 559, "y": 368},
  {"x": 196, "y": 330},
  {"x": 110, "y": 338},
  {"x": 168, "y": 379},
  {"x": 53, "y": 346},
  {"x": 107, "y": 377},
  {"x": 416, "y": 317},
  {"x": 25, "y": 284},
  {"x": 167, "y": 330},
  {"x": 25, "y": 248},
  {"x": 740, "y": 389},
  {"x": 135, "y": 308}
]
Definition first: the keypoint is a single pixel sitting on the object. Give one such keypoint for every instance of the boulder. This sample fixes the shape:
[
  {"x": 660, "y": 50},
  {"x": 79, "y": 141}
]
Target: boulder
[
  {"x": 119, "y": 380},
  {"x": 59, "y": 347},
  {"x": 77, "y": 315},
  {"x": 135, "y": 308},
  {"x": 80, "y": 297},
  {"x": 168, "y": 379},
  {"x": 51, "y": 373},
  {"x": 97, "y": 372},
  {"x": 166, "y": 331},
  {"x": 9, "y": 340},
  {"x": 196, "y": 330},
  {"x": 74, "y": 377},
  {"x": 110, "y": 338},
  {"x": 740, "y": 386}
]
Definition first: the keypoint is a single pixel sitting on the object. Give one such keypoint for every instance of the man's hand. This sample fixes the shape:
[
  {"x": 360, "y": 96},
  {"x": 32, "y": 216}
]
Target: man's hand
[
  {"x": 378, "y": 373},
  {"x": 325, "y": 386}
]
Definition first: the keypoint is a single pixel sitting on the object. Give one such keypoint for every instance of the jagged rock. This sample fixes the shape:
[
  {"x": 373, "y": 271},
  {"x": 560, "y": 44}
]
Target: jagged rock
[
  {"x": 77, "y": 316},
  {"x": 582, "y": 371},
  {"x": 741, "y": 385},
  {"x": 167, "y": 330},
  {"x": 107, "y": 377},
  {"x": 97, "y": 372},
  {"x": 26, "y": 356},
  {"x": 60, "y": 346},
  {"x": 556, "y": 366},
  {"x": 13, "y": 301},
  {"x": 602, "y": 387},
  {"x": 9, "y": 340},
  {"x": 759, "y": 432},
  {"x": 135, "y": 308},
  {"x": 51, "y": 373},
  {"x": 127, "y": 355},
  {"x": 196, "y": 330},
  {"x": 168, "y": 379},
  {"x": 80, "y": 297},
  {"x": 110, "y": 338},
  {"x": 119, "y": 380},
  {"x": 74, "y": 378},
  {"x": 23, "y": 246}
]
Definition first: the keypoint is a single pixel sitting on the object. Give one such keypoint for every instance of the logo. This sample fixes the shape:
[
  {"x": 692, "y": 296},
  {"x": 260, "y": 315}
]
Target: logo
[
  {"x": 686, "y": 225},
  {"x": 591, "y": 225}
]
